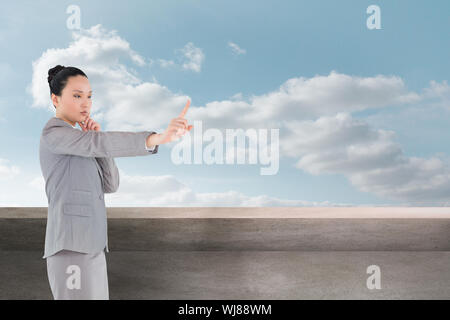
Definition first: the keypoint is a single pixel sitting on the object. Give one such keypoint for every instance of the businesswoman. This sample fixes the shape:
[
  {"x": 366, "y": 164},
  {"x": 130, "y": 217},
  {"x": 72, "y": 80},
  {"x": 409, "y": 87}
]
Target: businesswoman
[{"x": 78, "y": 167}]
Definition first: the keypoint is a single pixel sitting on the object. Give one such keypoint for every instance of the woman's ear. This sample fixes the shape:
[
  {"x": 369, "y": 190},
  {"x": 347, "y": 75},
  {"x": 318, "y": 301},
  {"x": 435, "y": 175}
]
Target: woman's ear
[{"x": 55, "y": 100}]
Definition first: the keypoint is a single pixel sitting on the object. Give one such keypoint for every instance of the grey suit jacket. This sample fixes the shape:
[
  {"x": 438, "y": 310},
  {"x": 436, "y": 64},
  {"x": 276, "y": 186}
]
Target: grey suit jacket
[{"x": 78, "y": 168}]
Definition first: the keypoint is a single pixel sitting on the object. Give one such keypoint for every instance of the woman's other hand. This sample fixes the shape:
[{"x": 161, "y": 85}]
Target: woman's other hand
[
  {"x": 177, "y": 127},
  {"x": 89, "y": 125}
]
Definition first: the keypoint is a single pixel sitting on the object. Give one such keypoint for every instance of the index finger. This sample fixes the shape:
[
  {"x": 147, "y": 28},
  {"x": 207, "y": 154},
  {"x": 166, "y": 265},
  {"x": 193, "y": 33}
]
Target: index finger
[
  {"x": 81, "y": 125},
  {"x": 185, "y": 109}
]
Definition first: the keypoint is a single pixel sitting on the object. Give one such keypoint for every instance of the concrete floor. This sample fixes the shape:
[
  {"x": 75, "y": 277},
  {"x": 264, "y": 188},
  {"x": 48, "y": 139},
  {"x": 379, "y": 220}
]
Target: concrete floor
[{"x": 245, "y": 275}]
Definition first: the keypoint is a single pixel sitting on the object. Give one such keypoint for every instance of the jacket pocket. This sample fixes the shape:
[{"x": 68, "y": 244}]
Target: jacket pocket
[
  {"x": 78, "y": 209},
  {"x": 79, "y": 203}
]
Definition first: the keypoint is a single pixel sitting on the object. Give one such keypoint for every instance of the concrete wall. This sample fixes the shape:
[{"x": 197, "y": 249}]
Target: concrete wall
[{"x": 247, "y": 253}]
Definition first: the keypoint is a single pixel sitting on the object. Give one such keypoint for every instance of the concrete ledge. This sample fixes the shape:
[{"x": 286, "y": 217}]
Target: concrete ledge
[
  {"x": 289, "y": 229},
  {"x": 250, "y": 212}
]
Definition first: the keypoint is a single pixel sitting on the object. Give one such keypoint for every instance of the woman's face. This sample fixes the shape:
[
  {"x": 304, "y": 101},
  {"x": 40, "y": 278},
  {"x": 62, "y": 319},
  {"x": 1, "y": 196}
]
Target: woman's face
[{"x": 75, "y": 98}]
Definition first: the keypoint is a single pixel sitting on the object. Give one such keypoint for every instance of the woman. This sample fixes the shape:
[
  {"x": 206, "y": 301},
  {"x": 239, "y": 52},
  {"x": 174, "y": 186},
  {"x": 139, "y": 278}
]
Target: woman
[{"x": 78, "y": 167}]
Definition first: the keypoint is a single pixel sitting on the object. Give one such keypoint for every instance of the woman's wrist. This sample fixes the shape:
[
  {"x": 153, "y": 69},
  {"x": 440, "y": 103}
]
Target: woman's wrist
[{"x": 153, "y": 140}]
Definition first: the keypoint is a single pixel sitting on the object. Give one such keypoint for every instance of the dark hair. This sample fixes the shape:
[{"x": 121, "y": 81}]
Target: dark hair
[{"x": 58, "y": 77}]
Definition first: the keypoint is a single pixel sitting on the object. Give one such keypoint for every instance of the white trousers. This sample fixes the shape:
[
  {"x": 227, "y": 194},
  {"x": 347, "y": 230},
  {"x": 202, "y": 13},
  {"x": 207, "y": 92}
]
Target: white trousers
[{"x": 78, "y": 276}]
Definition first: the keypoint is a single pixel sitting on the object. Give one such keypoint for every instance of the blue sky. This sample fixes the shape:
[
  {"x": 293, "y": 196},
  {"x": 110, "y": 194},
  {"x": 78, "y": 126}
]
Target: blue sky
[{"x": 346, "y": 85}]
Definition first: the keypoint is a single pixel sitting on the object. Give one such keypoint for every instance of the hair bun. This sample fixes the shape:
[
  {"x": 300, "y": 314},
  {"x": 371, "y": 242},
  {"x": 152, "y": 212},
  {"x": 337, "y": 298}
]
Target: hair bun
[{"x": 53, "y": 71}]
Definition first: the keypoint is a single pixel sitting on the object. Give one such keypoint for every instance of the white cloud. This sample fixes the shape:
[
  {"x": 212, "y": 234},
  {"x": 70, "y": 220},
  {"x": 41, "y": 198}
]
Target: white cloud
[
  {"x": 8, "y": 172},
  {"x": 369, "y": 158},
  {"x": 96, "y": 52},
  {"x": 167, "y": 191},
  {"x": 236, "y": 49},
  {"x": 439, "y": 93},
  {"x": 193, "y": 57},
  {"x": 166, "y": 63},
  {"x": 159, "y": 191},
  {"x": 237, "y": 96},
  {"x": 302, "y": 98},
  {"x": 189, "y": 58}
]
